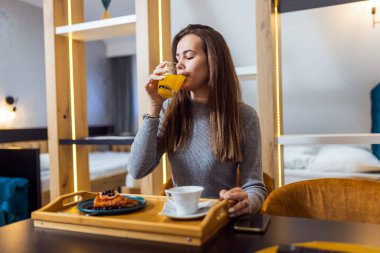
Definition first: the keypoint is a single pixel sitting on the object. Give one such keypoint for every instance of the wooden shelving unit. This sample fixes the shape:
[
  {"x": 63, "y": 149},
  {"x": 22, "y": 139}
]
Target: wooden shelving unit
[
  {"x": 66, "y": 84},
  {"x": 268, "y": 29},
  {"x": 100, "y": 29}
]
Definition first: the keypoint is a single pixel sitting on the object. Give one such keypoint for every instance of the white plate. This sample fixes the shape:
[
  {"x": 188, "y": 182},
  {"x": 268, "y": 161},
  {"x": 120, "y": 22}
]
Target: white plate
[{"x": 170, "y": 211}]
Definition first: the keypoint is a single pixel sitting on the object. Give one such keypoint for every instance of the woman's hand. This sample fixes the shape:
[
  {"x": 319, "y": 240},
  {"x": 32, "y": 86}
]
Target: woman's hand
[
  {"x": 156, "y": 100},
  {"x": 239, "y": 198}
]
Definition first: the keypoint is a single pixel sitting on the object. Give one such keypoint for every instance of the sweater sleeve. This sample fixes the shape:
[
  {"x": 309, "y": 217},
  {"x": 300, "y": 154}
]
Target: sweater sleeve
[
  {"x": 251, "y": 173},
  {"x": 147, "y": 148}
]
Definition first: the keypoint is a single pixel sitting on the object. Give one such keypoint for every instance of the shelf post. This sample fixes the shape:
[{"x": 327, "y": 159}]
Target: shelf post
[
  {"x": 66, "y": 99},
  {"x": 148, "y": 57},
  {"x": 269, "y": 87}
]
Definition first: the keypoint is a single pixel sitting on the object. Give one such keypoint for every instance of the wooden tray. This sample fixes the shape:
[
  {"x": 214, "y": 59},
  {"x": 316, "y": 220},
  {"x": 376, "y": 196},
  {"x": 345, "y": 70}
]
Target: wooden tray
[{"x": 144, "y": 224}]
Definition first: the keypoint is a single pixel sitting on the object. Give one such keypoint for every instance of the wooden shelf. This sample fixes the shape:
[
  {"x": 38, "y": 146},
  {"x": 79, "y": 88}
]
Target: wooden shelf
[
  {"x": 100, "y": 29},
  {"x": 329, "y": 139},
  {"x": 246, "y": 73},
  {"x": 100, "y": 140}
]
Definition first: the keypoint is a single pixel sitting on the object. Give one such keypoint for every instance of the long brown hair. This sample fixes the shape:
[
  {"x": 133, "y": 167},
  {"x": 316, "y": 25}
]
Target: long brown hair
[{"x": 224, "y": 99}]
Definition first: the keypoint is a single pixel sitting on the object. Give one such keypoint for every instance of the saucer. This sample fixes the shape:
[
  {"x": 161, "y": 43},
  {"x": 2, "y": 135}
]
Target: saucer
[{"x": 170, "y": 211}]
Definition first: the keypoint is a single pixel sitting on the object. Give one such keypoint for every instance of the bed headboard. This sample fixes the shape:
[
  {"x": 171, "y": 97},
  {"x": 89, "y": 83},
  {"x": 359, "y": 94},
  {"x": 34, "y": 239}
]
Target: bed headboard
[{"x": 24, "y": 163}]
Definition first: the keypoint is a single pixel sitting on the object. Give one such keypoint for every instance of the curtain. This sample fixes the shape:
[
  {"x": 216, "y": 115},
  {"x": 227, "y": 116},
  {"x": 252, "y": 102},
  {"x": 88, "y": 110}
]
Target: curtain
[{"x": 121, "y": 76}]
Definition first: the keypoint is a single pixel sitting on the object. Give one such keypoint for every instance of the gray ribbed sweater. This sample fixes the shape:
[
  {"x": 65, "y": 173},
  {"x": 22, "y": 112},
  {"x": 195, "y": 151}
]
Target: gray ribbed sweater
[{"x": 197, "y": 165}]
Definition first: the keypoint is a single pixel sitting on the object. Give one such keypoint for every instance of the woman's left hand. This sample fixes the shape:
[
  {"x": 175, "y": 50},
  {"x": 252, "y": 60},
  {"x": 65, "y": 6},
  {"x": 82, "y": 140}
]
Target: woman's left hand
[{"x": 237, "y": 195}]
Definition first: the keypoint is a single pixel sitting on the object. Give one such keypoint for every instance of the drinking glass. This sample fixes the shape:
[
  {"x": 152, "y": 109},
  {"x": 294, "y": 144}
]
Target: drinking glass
[{"x": 170, "y": 85}]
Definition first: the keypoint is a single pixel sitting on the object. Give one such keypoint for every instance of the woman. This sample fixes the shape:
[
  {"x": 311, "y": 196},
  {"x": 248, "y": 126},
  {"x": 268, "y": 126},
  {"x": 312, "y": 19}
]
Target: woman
[{"x": 205, "y": 129}]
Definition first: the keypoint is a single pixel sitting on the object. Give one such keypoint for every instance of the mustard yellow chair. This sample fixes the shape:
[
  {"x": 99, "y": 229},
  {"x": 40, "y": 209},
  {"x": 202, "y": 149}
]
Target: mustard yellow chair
[
  {"x": 327, "y": 199},
  {"x": 168, "y": 184},
  {"x": 268, "y": 181}
]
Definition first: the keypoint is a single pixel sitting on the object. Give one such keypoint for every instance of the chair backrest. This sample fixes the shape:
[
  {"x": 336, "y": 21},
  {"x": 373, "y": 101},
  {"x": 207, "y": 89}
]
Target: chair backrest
[
  {"x": 375, "y": 116},
  {"x": 327, "y": 199},
  {"x": 168, "y": 184}
]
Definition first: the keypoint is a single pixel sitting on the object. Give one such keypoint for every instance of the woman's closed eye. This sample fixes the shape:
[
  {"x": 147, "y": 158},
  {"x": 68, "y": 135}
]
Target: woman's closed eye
[
  {"x": 186, "y": 58},
  {"x": 189, "y": 55}
]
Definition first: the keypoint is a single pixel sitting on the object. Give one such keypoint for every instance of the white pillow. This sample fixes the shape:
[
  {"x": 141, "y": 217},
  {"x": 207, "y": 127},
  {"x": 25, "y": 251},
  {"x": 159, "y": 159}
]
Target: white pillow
[
  {"x": 298, "y": 157},
  {"x": 344, "y": 159},
  {"x": 44, "y": 161}
]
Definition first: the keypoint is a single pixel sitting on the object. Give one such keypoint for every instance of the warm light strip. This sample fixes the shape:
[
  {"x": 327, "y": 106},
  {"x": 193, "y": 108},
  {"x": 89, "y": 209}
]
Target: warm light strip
[
  {"x": 160, "y": 43},
  {"x": 278, "y": 106},
  {"x": 161, "y": 50},
  {"x": 164, "y": 164},
  {"x": 72, "y": 104}
]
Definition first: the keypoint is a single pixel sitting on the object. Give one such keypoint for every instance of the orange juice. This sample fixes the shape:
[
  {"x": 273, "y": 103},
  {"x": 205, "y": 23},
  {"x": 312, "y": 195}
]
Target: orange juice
[{"x": 170, "y": 85}]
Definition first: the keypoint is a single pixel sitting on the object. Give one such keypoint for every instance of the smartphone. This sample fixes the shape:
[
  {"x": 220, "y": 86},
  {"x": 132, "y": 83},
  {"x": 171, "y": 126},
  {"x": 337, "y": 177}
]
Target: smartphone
[{"x": 255, "y": 223}]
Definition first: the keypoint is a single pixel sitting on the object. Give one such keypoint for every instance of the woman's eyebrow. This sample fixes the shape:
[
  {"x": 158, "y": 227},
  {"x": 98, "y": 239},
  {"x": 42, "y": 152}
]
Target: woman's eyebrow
[{"x": 186, "y": 51}]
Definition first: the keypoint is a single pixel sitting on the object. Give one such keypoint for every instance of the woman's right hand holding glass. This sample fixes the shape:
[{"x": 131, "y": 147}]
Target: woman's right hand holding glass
[{"x": 156, "y": 100}]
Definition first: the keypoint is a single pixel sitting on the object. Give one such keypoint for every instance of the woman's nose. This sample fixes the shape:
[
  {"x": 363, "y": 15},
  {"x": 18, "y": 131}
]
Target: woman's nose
[{"x": 180, "y": 67}]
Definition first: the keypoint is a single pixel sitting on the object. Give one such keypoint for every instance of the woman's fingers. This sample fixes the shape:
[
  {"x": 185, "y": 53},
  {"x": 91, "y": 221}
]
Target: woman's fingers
[
  {"x": 159, "y": 72},
  {"x": 161, "y": 65},
  {"x": 240, "y": 201},
  {"x": 236, "y": 189},
  {"x": 225, "y": 194},
  {"x": 154, "y": 77},
  {"x": 151, "y": 85},
  {"x": 151, "y": 89},
  {"x": 160, "y": 69},
  {"x": 222, "y": 193},
  {"x": 239, "y": 196},
  {"x": 156, "y": 100},
  {"x": 242, "y": 207},
  {"x": 234, "y": 194}
]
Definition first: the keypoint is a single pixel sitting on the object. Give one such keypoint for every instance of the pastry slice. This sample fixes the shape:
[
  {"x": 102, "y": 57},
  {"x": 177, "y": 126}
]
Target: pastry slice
[{"x": 112, "y": 199}]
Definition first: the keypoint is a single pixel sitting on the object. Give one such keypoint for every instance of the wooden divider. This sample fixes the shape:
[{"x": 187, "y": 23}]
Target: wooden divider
[
  {"x": 148, "y": 57},
  {"x": 58, "y": 98},
  {"x": 268, "y": 77}
]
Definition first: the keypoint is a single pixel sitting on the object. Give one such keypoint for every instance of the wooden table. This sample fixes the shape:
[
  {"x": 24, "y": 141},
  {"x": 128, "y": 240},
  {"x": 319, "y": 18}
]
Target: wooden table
[{"x": 22, "y": 237}]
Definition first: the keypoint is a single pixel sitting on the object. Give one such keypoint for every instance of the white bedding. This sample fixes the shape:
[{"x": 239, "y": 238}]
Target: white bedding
[
  {"x": 101, "y": 164},
  {"x": 292, "y": 176},
  {"x": 333, "y": 161}
]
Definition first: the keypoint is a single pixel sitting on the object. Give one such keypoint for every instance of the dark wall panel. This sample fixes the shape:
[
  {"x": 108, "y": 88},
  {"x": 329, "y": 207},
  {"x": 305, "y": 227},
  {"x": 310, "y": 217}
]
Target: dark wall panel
[
  {"x": 297, "y": 5},
  {"x": 34, "y": 134}
]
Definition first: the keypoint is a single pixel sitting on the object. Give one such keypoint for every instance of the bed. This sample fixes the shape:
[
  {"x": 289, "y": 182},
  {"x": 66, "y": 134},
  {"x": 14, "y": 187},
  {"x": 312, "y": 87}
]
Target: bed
[
  {"x": 108, "y": 169},
  {"x": 108, "y": 164},
  {"x": 329, "y": 161}
]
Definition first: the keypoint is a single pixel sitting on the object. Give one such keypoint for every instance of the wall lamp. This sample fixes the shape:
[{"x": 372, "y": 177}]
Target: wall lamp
[
  {"x": 373, "y": 12},
  {"x": 7, "y": 114},
  {"x": 11, "y": 101}
]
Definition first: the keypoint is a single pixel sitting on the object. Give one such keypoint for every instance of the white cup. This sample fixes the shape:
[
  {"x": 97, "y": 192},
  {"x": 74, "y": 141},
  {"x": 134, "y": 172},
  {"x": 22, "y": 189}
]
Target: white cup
[{"x": 185, "y": 198}]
